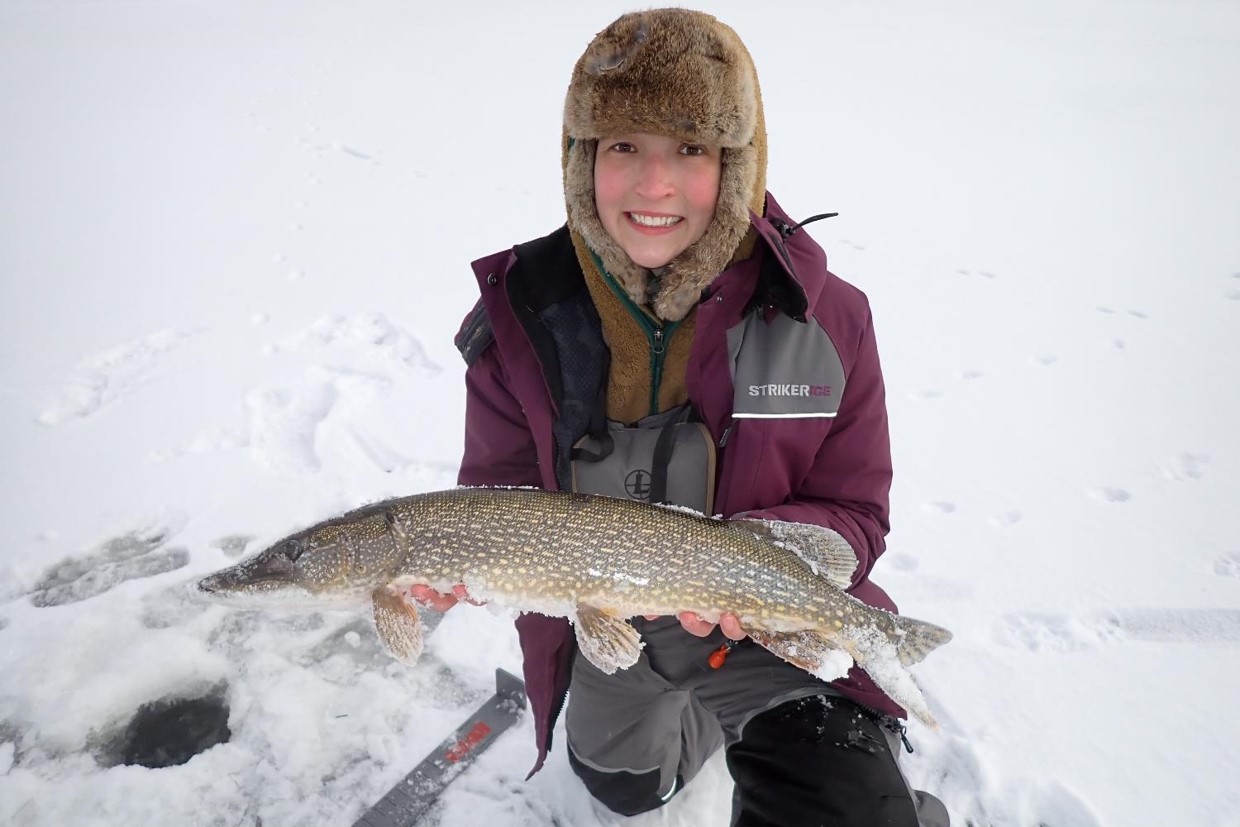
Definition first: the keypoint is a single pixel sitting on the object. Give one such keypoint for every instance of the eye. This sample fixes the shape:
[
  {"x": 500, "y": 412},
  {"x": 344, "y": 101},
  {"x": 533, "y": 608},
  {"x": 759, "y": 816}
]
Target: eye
[
  {"x": 293, "y": 549},
  {"x": 692, "y": 150},
  {"x": 622, "y": 146}
]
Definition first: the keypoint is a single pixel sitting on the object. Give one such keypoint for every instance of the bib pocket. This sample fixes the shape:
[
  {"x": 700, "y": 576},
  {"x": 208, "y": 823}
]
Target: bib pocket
[{"x": 665, "y": 458}]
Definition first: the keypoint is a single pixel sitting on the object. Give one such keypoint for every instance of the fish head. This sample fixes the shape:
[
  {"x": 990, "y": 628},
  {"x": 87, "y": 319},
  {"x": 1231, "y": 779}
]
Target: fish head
[{"x": 309, "y": 567}]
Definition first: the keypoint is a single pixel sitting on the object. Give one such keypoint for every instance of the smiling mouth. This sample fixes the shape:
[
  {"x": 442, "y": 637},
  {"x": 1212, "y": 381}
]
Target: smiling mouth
[{"x": 654, "y": 221}]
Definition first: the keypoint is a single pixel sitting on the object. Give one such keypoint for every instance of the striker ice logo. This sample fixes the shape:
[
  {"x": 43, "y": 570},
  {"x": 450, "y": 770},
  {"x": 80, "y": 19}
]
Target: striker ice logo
[
  {"x": 789, "y": 389},
  {"x": 637, "y": 484}
]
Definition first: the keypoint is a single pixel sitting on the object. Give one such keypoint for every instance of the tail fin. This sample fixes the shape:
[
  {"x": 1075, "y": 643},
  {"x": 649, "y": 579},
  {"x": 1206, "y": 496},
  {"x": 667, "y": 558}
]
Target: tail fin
[{"x": 914, "y": 639}]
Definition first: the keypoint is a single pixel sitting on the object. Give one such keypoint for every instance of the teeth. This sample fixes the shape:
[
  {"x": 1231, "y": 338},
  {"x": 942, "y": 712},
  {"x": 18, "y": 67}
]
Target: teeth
[{"x": 654, "y": 220}]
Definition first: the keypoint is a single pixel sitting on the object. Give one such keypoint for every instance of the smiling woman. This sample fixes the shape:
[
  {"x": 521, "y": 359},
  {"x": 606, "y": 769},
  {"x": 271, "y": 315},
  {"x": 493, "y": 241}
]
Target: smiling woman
[
  {"x": 655, "y": 195},
  {"x": 683, "y": 331}
]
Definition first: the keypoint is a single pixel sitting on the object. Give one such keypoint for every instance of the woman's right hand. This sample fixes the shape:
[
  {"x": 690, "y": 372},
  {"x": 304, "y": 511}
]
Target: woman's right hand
[{"x": 440, "y": 601}]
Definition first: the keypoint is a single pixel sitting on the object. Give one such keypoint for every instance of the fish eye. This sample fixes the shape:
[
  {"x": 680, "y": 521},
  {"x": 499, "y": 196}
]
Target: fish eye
[{"x": 293, "y": 549}]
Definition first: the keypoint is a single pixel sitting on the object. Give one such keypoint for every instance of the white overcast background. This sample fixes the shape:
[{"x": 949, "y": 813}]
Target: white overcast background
[{"x": 234, "y": 248}]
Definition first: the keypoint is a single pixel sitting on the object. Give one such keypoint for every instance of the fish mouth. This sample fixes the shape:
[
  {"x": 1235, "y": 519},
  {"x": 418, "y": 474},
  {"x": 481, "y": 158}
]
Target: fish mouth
[
  {"x": 268, "y": 572},
  {"x": 224, "y": 584},
  {"x": 247, "y": 589},
  {"x": 250, "y": 579},
  {"x": 267, "y": 593}
]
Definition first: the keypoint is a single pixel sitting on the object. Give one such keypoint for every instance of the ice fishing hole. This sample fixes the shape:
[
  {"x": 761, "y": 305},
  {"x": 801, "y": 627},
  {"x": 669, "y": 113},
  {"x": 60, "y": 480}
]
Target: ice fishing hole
[{"x": 171, "y": 731}]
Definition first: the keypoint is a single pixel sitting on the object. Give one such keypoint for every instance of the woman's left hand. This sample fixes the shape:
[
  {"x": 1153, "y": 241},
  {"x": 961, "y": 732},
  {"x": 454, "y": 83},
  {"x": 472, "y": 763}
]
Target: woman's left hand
[{"x": 695, "y": 624}]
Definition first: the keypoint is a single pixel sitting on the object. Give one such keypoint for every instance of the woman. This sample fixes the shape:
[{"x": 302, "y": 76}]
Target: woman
[{"x": 681, "y": 340}]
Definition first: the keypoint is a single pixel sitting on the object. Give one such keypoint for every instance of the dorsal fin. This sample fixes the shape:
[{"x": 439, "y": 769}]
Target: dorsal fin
[{"x": 824, "y": 550}]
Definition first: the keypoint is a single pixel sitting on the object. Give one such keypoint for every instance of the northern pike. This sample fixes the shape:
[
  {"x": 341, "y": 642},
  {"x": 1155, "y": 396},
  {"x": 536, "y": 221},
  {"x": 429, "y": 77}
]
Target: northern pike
[{"x": 597, "y": 561}]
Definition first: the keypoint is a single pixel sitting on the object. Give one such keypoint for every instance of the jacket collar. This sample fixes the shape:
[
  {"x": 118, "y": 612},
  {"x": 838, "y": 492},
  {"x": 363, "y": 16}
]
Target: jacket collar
[{"x": 793, "y": 273}]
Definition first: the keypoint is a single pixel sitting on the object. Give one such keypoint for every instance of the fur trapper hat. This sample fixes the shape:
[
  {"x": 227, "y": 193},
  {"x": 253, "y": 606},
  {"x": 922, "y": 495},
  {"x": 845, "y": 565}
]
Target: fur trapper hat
[{"x": 678, "y": 73}]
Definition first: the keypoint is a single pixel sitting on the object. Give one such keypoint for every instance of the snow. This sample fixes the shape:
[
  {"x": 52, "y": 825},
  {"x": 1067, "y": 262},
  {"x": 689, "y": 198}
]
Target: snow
[{"x": 234, "y": 240}]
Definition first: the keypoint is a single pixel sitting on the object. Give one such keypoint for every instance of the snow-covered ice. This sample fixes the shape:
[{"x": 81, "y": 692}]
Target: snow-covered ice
[{"x": 234, "y": 246}]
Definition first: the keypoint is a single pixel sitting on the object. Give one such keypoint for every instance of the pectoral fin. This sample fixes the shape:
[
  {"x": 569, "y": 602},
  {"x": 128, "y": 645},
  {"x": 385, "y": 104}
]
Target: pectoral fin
[
  {"x": 607, "y": 641},
  {"x": 396, "y": 620}
]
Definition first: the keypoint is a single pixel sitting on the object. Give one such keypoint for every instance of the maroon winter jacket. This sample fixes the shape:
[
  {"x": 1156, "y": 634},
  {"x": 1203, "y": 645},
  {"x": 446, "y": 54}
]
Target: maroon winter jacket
[{"x": 834, "y": 472}]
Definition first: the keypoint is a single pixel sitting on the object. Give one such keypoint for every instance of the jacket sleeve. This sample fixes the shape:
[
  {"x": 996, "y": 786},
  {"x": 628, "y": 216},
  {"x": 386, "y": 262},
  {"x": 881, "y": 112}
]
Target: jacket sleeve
[
  {"x": 848, "y": 485},
  {"x": 499, "y": 448}
]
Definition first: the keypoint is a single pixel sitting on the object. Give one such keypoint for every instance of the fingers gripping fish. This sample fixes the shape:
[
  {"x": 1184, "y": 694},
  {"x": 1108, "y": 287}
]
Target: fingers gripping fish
[{"x": 597, "y": 561}]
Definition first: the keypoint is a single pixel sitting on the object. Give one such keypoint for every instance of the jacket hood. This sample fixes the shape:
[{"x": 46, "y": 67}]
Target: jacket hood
[{"x": 678, "y": 73}]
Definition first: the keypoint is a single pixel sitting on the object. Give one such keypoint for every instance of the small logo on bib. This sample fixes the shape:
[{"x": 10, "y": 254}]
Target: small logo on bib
[{"x": 637, "y": 484}]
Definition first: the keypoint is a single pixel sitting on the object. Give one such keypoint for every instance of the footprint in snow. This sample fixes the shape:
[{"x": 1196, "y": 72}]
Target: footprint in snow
[
  {"x": 940, "y": 507},
  {"x": 284, "y": 423},
  {"x": 1050, "y": 803},
  {"x": 1110, "y": 311},
  {"x": 901, "y": 562},
  {"x": 928, "y": 393},
  {"x": 1045, "y": 360},
  {"x": 949, "y": 764},
  {"x": 233, "y": 545},
  {"x": 971, "y": 374},
  {"x": 214, "y": 438},
  {"x": 1205, "y": 626},
  {"x": 131, "y": 556},
  {"x": 353, "y": 152},
  {"x": 1110, "y": 495},
  {"x": 1033, "y": 802},
  {"x": 1059, "y": 633},
  {"x": 1228, "y": 565},
  {"x": 283, "y": 426},
  {"x": 373, "y": 333},
  {"x": 1053, "y": 632},
  {"x": 110, "y": 375},
  {"x": 9, "y": 756},
  {"x": 1186, "y": 466},
  {"x": 1007, "y": 518},
  {"x": 1234, "y": 293}
]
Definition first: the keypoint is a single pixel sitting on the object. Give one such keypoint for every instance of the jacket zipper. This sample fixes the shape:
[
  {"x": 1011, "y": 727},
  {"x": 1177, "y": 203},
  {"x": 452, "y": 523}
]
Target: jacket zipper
[{"x": 657, "y": 337}]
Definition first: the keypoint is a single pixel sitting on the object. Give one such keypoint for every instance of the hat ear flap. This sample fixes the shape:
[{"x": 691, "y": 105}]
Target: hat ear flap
[{"x": 583, "y": 219}]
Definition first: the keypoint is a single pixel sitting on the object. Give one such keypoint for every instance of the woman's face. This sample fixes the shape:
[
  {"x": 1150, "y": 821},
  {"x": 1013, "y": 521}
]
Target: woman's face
[{"x": 655, "y": 195}]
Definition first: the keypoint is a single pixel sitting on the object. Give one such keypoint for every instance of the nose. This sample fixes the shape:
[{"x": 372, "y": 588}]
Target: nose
[{"x": 654, "y": 177}]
